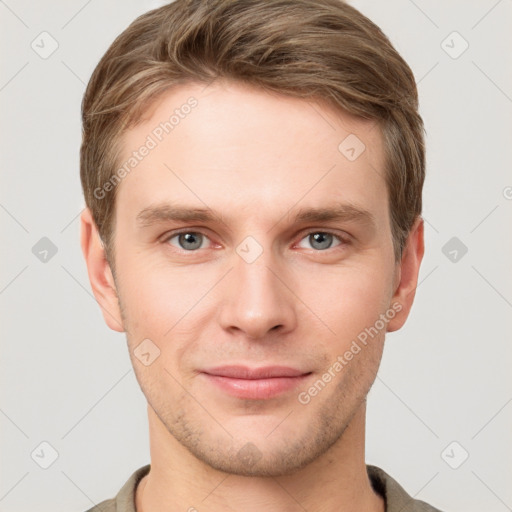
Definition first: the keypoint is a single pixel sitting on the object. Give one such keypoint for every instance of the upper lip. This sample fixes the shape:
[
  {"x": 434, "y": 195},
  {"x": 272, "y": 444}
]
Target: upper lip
[{"x": 244, "y": 372}]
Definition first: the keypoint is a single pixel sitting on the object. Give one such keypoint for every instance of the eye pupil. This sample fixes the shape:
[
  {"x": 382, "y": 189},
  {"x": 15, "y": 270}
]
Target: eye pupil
[
  {"x": 324, "y": 240},
  {"x": 190, "y": 241}
]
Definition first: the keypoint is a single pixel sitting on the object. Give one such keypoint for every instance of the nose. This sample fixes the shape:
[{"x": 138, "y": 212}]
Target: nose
[{"x": 258, "y": 300}]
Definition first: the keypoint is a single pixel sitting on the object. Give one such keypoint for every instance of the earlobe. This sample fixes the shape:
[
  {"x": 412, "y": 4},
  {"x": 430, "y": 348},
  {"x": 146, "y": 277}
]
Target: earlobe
[
  {"x": 407, "y": 275},
  {"x": 100, "y": 274}
]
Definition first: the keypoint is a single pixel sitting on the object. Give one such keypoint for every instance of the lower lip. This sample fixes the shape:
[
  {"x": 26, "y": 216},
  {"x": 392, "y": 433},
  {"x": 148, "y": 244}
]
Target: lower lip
[{"x": 256, "y": 389}]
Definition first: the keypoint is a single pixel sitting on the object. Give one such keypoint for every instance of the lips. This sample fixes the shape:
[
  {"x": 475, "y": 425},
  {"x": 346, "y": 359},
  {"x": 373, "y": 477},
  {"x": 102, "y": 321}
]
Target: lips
[
  {"x": 244, "y": 372},
  {"x": 255, "y": 383}
]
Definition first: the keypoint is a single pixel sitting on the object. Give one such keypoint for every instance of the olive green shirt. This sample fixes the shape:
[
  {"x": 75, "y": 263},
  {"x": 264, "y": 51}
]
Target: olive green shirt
[{"x": 397, "y": 500}]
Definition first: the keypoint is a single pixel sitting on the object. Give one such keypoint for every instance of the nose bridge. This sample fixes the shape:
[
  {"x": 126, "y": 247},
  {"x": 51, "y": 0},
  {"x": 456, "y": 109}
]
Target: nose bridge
[{"x": 258, "y": 301}]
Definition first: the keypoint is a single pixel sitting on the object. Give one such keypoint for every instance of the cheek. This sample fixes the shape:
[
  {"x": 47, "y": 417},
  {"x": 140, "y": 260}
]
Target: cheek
[
  {"x": 346, "y": 300},
  {"x": 163, "y": 303}
]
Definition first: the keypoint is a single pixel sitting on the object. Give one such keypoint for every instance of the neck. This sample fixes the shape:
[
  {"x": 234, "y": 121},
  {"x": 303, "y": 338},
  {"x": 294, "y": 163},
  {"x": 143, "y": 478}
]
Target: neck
[{"x": 335, "y": 481}]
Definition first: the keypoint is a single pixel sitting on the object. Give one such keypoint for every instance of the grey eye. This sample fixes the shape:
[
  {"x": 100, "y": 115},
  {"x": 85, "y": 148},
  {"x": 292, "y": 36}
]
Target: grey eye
[
  {"x": 321, "y": 240},
  {"x": 189, "y": 241}
]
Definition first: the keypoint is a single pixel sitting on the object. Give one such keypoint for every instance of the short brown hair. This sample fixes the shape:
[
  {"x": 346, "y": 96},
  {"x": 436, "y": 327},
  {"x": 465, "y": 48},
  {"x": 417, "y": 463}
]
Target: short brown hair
[{"x": 321, "y": 50}]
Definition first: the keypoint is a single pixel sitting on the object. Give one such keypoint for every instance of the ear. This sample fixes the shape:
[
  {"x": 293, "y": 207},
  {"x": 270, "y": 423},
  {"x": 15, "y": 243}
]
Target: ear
[
  {"x": 406, "y": 277},
  {"x": 100, "y": 275}
]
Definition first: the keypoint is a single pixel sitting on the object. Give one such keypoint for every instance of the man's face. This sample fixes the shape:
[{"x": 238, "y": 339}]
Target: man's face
[{"x": 253, "y": 286}]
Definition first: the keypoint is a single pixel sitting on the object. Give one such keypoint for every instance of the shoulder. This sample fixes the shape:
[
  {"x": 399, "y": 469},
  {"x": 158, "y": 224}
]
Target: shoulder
[
  {"x": 397, "y": 499},
  {"x": 104, "y": 506},
  {"x": 124, "y": 501}
]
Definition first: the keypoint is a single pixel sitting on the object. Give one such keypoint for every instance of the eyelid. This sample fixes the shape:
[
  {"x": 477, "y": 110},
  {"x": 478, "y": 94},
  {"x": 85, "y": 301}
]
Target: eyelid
[
  {"x": 344, "y": 238},
  {"x": 165, "y": 238}
]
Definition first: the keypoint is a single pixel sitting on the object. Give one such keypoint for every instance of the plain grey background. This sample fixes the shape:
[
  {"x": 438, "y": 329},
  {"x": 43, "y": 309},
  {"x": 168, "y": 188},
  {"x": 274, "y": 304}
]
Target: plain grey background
[{"x": 440, "y": 411}]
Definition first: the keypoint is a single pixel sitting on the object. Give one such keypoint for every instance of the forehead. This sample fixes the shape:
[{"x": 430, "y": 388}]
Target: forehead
[{"x": 231, "y": 146}]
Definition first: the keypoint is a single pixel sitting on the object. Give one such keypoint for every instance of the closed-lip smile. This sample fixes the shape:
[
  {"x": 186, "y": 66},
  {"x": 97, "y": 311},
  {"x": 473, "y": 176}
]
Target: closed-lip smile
[{"x": 259, "y": 383}]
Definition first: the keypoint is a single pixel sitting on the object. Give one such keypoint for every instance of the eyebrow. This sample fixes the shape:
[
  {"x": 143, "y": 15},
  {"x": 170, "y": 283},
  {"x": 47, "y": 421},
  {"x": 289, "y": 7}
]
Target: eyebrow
[{"x": 167, "y": 212}]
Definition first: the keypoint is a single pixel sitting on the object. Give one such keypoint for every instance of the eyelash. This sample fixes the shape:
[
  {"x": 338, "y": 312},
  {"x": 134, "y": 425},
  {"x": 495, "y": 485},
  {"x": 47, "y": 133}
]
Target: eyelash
[{"x": 344, "y": 240}]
